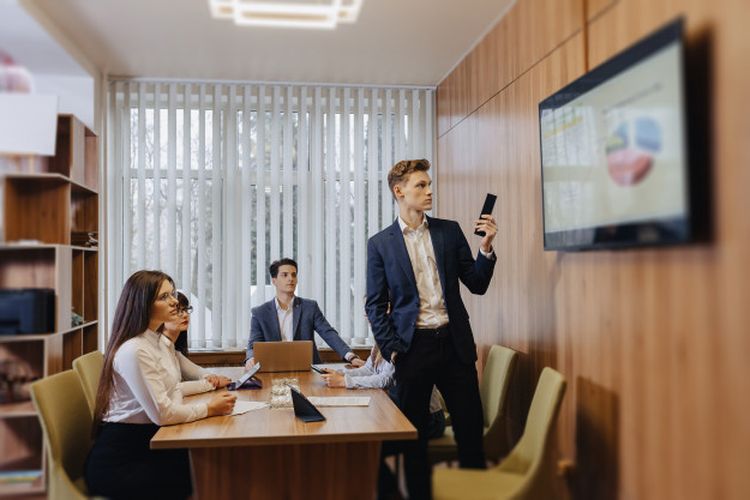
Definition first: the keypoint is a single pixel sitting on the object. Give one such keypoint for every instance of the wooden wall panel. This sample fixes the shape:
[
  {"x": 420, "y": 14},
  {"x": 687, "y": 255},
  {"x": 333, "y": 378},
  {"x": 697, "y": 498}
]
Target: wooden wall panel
[
  {"x": 706, "y": 327},
  {"x": 653, "y": 343},
  {"x": 595, "y": 7},
  {"x": 732, "y": 154},
  {"x": 443, "y": 111},
  {"x": 528, "y": 32},
  {"x": 459, "y": 93},
  {"x": 497, "y": 146}
]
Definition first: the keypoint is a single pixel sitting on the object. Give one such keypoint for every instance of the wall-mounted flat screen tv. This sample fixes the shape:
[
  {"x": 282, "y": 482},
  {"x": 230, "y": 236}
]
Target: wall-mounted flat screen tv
[{"x": 614, "y": 156}]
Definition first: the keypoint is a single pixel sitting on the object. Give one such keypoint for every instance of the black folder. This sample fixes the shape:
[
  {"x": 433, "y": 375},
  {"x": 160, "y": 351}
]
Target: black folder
[{"x": 303, "y": 408}]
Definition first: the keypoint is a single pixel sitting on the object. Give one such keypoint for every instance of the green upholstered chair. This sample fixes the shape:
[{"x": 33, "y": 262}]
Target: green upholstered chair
[
  {"x": 528, "y": 471},
  {"x": 66, "y": 423},
  {"x": 493, "y": 390},
  {"x": 89, "y": 370}
]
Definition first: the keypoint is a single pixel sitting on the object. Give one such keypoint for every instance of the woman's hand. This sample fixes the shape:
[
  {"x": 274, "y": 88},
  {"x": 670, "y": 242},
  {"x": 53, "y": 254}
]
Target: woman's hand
[
  {"x": 218, "y": 381},
  {"x": 221, "y": 404},
  {"x": 334, "y": 379}
]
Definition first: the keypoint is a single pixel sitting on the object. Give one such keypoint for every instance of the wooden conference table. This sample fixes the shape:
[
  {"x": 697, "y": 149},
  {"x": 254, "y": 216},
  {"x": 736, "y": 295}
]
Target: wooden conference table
[{"x": 270, "y": 454}]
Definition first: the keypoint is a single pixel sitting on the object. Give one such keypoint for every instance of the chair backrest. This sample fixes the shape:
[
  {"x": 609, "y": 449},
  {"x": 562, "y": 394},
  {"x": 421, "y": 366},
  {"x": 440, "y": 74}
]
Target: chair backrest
[
  {"x": 529, "y": 457},
  {"x": 495, "y": 381},
  {"x": 89, "y": 370},
  {"x": 66, "y": 422},
  {"x": 493, "y": 390}
]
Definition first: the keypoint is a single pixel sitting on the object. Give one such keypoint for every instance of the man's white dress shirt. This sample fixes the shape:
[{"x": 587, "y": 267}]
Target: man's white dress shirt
[
  {"x": 432, "y": 310},
  {"x": 286, "y": 319}
]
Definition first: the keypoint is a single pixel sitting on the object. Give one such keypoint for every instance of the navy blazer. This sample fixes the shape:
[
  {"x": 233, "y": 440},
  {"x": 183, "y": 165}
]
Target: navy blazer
[
  {"x": 307, "y": 319},
  {"x": 390, "y": 279}
]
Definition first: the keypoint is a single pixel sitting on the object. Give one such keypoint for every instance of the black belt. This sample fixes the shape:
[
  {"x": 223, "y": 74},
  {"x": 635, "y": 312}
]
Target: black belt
[{"x": 439, "y": 332}]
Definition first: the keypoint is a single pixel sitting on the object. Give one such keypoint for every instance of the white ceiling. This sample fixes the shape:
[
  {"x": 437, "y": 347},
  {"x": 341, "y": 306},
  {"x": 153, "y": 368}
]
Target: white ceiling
[{"x": 394, "y": 42}]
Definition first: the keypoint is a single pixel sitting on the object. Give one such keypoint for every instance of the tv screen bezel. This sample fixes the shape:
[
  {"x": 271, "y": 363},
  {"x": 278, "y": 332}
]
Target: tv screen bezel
[{"x": 659, "y": 232}]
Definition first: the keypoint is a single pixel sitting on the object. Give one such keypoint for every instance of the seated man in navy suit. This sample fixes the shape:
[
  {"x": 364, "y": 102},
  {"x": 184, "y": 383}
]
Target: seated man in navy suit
[{"x": 286, "y": 317}]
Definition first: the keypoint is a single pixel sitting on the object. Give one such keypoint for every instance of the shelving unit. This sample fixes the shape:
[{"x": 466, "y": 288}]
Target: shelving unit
[{"x": 47, "y": 199}]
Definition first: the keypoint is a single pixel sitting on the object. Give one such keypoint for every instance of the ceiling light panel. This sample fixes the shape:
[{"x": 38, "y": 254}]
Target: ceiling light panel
[{"x": 311, "y": 14}]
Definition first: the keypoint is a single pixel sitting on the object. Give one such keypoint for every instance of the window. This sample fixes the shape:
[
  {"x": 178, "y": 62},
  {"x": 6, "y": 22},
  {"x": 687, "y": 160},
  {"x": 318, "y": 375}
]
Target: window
[{"x": 212, "y": 182}]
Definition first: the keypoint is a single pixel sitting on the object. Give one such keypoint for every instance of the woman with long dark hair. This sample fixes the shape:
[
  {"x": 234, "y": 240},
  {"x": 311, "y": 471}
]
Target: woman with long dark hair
[
  {"x": 195, "y": 379},
  {"x": 137, "y": 394}
]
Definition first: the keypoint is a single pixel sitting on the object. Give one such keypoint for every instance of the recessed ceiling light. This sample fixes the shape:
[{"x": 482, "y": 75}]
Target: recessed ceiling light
[{"x": 315, "y": 14}]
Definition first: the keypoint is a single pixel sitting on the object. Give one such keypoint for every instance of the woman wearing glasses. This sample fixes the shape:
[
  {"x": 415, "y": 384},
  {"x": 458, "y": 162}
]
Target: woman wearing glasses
[
  {"x": 138, "y": 392},
  {"x": 195, "y": 379}
]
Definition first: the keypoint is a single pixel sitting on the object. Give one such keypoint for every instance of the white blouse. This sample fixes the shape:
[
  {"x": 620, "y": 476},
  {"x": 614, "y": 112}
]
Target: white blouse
[
  {"x": 146, "y": 384},
  {"x": 192, "y": 375}
]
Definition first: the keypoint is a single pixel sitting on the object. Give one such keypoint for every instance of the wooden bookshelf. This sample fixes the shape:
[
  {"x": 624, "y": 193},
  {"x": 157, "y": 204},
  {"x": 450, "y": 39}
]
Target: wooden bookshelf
[
  {"x": 37, "y": 208},
  {"x": 46, "y": 201}
]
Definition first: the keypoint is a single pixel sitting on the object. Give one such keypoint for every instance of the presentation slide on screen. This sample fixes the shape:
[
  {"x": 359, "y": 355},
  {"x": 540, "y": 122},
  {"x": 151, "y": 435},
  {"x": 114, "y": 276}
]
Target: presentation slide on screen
[{"x": 616, "y": 154}]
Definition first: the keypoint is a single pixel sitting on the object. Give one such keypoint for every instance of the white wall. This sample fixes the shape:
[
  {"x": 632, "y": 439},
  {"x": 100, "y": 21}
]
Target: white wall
[{"x": 75, "y": 94}]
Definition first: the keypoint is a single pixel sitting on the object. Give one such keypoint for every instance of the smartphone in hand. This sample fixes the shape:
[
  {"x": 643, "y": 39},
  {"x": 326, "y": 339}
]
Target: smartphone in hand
[
  {"x": 489, "y": 204},
  {"x": 317, "y": 369}
]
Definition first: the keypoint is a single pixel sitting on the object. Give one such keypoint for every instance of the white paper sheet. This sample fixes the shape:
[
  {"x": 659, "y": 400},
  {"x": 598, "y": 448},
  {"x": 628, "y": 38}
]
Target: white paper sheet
[
  {"x": 241, "y": 407},
  {"x": 340, "y": 400}
]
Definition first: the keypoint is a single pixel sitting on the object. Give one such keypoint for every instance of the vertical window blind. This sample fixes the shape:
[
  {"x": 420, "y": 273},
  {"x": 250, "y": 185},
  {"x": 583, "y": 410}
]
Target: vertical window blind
[{"x": 211, "y": 182}]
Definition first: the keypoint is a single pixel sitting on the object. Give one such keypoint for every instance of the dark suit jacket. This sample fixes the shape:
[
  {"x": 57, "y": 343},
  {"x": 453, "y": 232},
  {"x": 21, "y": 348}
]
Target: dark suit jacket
[
  {"x": 307, "y": 319},
  {"x": 390, "y": 279}
]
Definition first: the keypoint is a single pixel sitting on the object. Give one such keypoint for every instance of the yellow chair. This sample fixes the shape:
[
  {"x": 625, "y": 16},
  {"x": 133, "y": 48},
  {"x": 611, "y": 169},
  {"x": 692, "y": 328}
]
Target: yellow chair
[
  {"x": 528, "y": 471},
  {"x": 66, "y": 423},
  {"x": 493, "y": 390},
  {"x": 89, "y": 370}
]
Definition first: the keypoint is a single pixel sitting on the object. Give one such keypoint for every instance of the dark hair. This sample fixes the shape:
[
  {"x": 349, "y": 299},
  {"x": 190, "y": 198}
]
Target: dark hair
[
  {"x": 401, "y": 171},
  {"x": 181, "y": 344},
  {"x": 132, "y": 316},
  {"x": 275, "y": 265}
]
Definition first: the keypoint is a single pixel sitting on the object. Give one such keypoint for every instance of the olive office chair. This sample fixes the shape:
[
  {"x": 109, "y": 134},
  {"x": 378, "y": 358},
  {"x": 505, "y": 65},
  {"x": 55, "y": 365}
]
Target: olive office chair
[
  {"x": 66, "y": 423},
  {"x": 89, "y": 370},
  {"x": 528, "y": 471},
  {"x": 493, "y": 390}
]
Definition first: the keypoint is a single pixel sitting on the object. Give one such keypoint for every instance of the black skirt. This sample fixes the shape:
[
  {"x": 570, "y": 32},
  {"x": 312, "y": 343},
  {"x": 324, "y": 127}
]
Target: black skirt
[{"x": 121, "y": 465}]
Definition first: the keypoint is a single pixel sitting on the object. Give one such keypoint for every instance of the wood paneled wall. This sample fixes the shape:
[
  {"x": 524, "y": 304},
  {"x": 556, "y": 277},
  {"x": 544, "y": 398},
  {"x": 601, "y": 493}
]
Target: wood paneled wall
[{"x": 654, "y": 343}]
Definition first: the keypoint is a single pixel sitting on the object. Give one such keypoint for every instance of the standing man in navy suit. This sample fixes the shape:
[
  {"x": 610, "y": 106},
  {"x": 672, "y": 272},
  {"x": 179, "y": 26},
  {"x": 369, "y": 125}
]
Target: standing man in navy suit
[
  {"x": 415, "y": 265},
  {"x": 287, "y": 317}
]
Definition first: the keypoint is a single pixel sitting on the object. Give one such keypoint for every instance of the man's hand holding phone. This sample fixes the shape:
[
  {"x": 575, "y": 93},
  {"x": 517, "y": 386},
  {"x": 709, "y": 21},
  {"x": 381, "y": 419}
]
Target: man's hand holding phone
[
  {"x": 485, "y": 226},
  {"x": 486, "y": 223}
]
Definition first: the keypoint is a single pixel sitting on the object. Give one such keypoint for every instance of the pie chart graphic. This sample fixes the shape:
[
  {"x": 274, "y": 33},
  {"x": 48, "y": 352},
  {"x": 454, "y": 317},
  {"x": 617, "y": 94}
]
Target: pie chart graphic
[{"x": 631, "y": 149}]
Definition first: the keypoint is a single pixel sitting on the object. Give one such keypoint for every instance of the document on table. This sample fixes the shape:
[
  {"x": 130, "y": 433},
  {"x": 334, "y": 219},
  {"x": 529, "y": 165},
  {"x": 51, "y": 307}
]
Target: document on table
[
  {"x": 241, "y": 407},
  {"x": 340, "y": 400}
]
